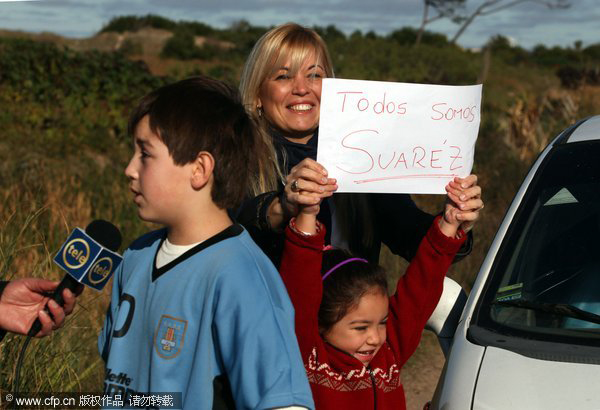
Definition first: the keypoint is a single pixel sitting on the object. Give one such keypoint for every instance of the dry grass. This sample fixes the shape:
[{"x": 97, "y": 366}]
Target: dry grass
[{"x": 33, "y": 224}]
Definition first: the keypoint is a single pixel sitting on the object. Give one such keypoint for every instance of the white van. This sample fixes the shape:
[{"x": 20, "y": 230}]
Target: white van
[{"x": 529, "y": 333}]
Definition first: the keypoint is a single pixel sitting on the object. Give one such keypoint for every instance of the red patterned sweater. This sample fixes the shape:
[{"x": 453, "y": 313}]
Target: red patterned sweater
[{"x": 337, "y": 379}]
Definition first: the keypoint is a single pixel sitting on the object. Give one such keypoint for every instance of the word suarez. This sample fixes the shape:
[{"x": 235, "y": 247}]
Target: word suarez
[{"x": 444, "y": 159}]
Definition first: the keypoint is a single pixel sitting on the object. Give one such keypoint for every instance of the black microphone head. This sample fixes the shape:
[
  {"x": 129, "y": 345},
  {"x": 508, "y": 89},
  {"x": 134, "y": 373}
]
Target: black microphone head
[{"x": 105, "y": 233}]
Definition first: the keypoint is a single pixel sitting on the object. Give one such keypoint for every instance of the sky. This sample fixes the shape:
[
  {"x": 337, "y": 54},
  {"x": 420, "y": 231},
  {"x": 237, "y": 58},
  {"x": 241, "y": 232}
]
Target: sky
[{"x": 526, "y": 24}]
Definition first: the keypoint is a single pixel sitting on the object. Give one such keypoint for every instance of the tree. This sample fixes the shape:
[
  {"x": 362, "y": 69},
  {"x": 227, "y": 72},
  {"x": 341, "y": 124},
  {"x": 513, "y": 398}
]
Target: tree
[
  {"x": 454, "y": 10},
  {"x": 444, "y": 8}
]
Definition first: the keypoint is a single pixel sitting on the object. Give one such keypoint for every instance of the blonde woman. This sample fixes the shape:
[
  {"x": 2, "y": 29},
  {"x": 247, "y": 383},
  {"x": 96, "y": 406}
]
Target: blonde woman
[{"x": 281, "y": 89}]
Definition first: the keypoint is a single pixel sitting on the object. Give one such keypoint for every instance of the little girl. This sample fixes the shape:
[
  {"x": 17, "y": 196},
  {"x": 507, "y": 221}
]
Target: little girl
[{"x": 353, "y": 338}]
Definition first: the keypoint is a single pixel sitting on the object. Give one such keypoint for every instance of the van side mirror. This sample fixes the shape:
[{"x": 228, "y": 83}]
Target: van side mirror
[{"x": 444, "y": 319}]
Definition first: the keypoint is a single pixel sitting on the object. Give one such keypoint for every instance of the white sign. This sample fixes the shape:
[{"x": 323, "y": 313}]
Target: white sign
[{"x": 379, "y": 136}]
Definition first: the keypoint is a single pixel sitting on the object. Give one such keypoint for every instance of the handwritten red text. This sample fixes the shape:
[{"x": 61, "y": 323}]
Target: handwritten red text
[
  {"x": 443, "y": 112},
  {"x": 355, "y": 100},
  {"x": 447, "y": 157}
]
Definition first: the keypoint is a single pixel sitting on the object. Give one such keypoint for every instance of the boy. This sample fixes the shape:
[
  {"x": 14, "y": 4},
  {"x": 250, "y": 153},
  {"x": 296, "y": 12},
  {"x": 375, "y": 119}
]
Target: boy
[{"x": 196, "y": 307}]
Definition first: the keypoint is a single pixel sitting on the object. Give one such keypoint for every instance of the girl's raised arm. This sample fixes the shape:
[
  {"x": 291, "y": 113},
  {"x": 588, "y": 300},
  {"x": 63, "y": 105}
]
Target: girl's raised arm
[{"x": 419, "y": 290}]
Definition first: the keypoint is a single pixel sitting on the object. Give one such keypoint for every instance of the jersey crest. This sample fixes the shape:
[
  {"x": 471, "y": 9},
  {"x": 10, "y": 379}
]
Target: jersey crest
[{"x": 169, "y": 336}]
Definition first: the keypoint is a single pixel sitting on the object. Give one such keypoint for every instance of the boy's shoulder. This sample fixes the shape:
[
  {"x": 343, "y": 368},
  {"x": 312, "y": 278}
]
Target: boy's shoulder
[
  {"x": 236, "y": 247},
  {"x": 239, "y": 264},
  {"x": 147, "y": 240}
]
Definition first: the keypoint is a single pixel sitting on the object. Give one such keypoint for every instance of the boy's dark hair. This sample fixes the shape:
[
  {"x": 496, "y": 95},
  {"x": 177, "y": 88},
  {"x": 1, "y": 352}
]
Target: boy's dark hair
[
  {"x": 203, "y": 114},
  {"x": 344, "y": 287}
]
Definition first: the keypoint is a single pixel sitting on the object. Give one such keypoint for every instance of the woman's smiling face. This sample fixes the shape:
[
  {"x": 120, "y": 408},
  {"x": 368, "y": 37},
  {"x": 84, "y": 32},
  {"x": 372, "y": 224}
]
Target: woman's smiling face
[{"x": 291, "y": 101}]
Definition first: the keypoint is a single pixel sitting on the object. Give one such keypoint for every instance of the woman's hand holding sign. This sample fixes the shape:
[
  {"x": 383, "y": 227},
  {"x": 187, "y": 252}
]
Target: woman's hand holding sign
[{"x": 307, "y": 184}]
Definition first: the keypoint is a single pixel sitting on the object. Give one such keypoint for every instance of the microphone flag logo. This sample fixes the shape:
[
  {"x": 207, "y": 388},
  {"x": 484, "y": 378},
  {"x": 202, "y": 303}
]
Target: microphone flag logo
[{"x": 86, "y": 260}]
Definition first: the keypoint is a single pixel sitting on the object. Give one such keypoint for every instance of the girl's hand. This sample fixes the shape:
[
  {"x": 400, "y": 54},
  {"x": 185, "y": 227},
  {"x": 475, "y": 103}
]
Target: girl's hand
[
  {"x": 306, "y": 221},
  {"x": 307, "y": 185},
  {"x": 464, "y": 202}
]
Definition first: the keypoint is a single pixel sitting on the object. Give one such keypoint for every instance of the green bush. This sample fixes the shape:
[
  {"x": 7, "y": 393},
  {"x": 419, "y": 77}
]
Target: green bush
[
  {"x": 181, "y": 45},
  {"x": 408, "y": 36},
  {"x": 134, "y": 23},
  {"x": 65, "y": 99}
]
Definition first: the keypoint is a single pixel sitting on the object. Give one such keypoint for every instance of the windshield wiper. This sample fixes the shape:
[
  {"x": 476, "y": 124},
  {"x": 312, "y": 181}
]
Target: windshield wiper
[{"x": 561, "y": 309}]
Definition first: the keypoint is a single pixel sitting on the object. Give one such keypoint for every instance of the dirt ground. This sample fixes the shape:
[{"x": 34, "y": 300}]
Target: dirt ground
[{"x": 421, "y": 373}]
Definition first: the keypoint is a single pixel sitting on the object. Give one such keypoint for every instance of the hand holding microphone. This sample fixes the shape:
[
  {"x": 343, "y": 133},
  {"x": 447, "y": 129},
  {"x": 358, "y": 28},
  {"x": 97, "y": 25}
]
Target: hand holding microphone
[
  {"x": 89, "y": 257},
  {"x": 23, "y": 300}
]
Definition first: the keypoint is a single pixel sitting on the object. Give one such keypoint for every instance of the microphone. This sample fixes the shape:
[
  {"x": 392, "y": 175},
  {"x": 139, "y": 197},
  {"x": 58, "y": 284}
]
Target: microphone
[{"x": 89, "y": 257}]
